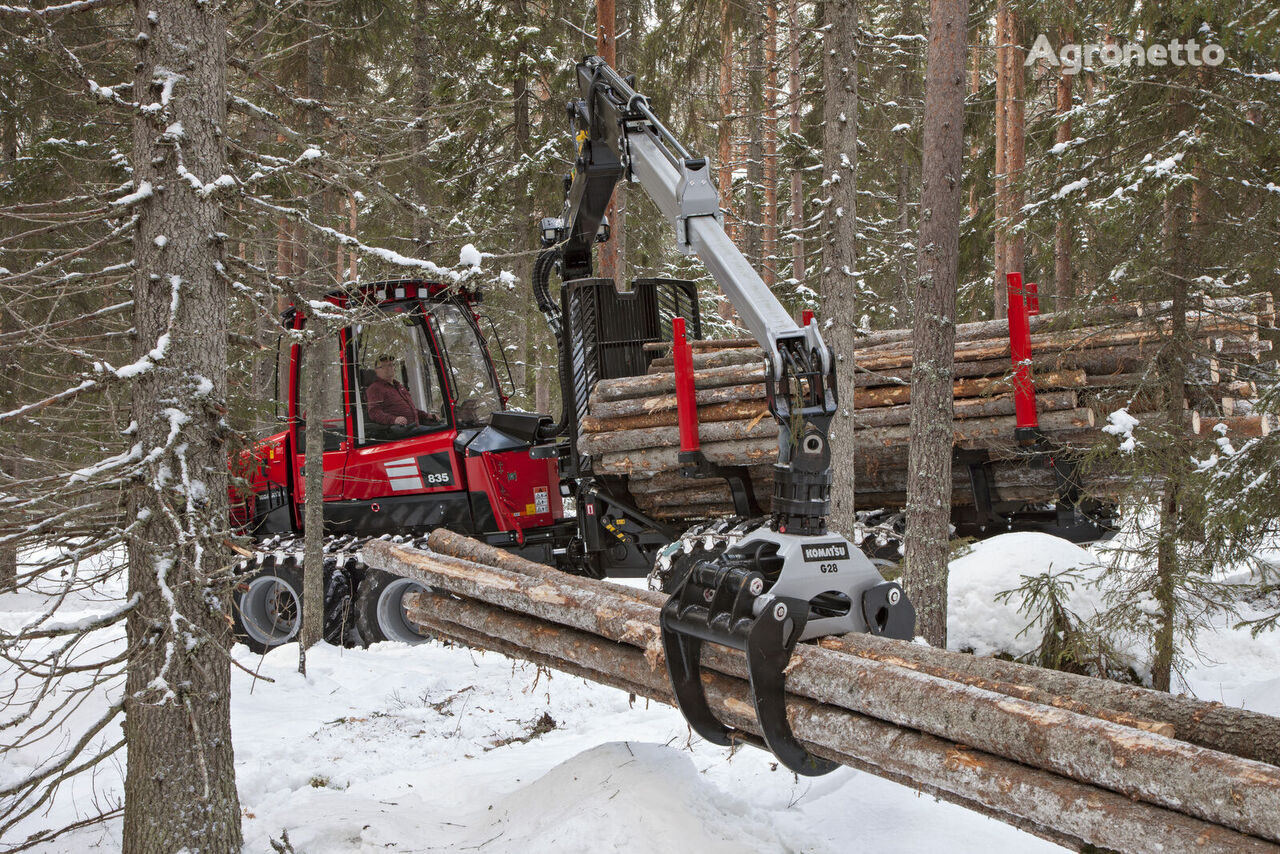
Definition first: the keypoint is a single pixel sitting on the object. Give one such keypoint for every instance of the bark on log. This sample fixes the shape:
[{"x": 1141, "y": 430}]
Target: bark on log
[
  {"x": 746, "y": 452},
  {"x": 1061, "y": 810},
  {"x": 891, "y": 395},
  {"x": 667, "y": 402},
  {"x": 1240, "y": 732},
  {"x": 711, "y": 359},
  {"x": 1048, "y": 342},
  {"x": 741, "y": 410},
  {"x": 647, "y": 385},
  {"x": 1238, "y": 426},
  {"x": 979, "y": 430},
  {"x": 593, "y": 658},
  {"x": 972, "y": 407},
  {"x": 1216, "y": 787},
  {"x": 657, "y": 481},
  {"x": 1243, "y": 733},
  {"x": 706, "y": 492},
  {"x": 760, "y": 427},
  {"x": 704, "y": 344}
]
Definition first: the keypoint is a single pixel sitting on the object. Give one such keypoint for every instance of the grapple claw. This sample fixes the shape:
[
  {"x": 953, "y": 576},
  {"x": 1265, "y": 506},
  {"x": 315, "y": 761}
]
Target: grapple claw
[{"x": 763, "y": 595}]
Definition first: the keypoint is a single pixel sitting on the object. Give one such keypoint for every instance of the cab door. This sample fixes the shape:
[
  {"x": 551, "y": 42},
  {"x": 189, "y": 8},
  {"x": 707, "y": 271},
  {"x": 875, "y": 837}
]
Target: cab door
[
  {"x": 400, "y": 477},
  {"x": 324, "y": 360}
]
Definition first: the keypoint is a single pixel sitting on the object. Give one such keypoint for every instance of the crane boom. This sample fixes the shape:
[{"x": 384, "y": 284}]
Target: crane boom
[{"x": 619, "y": 136}]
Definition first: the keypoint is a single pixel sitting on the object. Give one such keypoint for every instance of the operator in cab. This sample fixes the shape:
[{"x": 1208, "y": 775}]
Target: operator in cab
[{"x": 391, "y": 405}]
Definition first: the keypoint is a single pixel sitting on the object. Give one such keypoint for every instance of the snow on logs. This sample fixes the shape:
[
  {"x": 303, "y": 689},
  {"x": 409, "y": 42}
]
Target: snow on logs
[
  {"x": 1077, "y": 761},
  {"x": 1081, "y": 376}
]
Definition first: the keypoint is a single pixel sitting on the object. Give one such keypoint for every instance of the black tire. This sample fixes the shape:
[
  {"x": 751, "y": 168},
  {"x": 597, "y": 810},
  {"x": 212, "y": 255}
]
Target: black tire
[
  {"x": 267, "y": 606},
  {"x": 379, "y": 607}
]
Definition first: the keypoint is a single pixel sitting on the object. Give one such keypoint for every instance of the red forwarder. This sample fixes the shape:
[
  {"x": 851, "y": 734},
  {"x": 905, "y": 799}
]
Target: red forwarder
[{"x": 471, "y": 466}]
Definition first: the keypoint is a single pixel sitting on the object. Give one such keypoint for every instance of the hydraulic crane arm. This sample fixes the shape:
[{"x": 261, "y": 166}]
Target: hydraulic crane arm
[
  {"x": 770, "y": 585},
  {"x": 618, "y": 135}
]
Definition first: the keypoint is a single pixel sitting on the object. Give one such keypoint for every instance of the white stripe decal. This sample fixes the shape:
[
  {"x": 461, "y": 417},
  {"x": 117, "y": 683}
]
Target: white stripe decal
[
  {"x": 402, "y": 471},
  {"x": 401, "y": 484}
]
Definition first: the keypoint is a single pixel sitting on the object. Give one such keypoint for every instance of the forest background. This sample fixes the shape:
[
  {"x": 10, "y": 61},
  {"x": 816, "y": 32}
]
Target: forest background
[{"x": 369, "y": 140}]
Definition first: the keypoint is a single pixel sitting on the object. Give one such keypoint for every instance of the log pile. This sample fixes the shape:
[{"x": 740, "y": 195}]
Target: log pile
[
  {"x": 1081, "y": 375},
  {"x": 1075, "y": 760}
]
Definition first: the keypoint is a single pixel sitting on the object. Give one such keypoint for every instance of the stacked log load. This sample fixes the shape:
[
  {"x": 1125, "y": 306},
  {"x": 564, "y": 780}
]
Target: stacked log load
[
  {"x": 1085, "y": 763},
  {"x": 1081, "y": 375}
]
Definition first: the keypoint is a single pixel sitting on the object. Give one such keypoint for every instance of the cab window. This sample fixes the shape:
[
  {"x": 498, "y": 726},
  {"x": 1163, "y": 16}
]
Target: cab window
[
  {"x": 467, "y": 366},
  {"x": 397, "y": 391}
]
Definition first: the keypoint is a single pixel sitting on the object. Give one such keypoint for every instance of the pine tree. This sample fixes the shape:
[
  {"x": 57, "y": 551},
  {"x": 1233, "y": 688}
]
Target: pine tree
[
  {"x": 180, "y": 784},
  {"x": 933, "y": 340}
]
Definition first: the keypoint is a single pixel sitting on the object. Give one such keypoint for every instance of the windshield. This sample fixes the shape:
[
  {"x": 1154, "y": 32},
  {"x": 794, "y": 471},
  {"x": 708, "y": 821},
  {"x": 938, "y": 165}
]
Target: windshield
[{"x": 467, "y": 365}]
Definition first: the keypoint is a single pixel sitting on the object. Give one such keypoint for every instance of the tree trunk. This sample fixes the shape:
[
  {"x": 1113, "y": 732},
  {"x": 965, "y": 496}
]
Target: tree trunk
[
  {"x": 623, "y": 17},
  {"x": 724, "y": 141},
  {"x": 10, "y": 466},
  {"x": 838, "y": 284},
  {"x": 180, "y": 780},
  {"x": 1169, "y": 572},
  {"x": 606, "y": 31},
  {"x": 769, "y": 216},
  {"x": 906, "y": 183},
  {"x": 797, "y": 178},
  {"x": 317, "y": 347},
  {"x": 975, "y": 86},
  {"x": 1063, "y": 288},
  {"x": 1000, "y": 297},
  {"x": 724, "y": 129},
  {"x": 929, "y": 479},
  {"x": 424, "y": 60},
  {"x": 755, "y": 112},
  {"x": 1016, "y": 155}
]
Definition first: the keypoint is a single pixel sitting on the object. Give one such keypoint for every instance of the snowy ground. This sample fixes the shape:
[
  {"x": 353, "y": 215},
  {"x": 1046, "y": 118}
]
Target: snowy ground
[{"x": 431, "y": 748}]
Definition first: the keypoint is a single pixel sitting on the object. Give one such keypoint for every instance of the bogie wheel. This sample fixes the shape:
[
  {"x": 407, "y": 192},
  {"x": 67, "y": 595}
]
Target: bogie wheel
[
  {"x": 267, "y": 606},
  {"x": 380, "y": 609}
]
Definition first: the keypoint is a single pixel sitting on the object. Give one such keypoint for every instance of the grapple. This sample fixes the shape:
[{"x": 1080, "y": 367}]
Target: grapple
[{"x": 764, "y": 595}]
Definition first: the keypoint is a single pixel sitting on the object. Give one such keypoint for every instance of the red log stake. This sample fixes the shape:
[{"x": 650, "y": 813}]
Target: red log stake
[
  {"x": 686, "y": 401},
  {"x": 1024, "y": 390}
]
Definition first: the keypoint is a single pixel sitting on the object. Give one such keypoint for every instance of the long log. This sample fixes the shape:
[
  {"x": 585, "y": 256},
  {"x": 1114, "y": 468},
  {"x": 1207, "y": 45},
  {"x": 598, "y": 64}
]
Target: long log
[
  {"x": 1216, "y": 787},
  {"x": 738, "y": 410},
  {"x": 1046, "y": 342},
  {"x": 647, "y": 385},
  {"x": 978, "y": 430},
  {"x": 1242, "y": 733},
  {"x": 656, "y": 481},
  {"x": 865, "y": 499},
  {"x": 761, "y": 427},
  {"x": 711, "y": 359},
  {"x": 1058, "y": 809},
  {"x": 707, "y": 492},
  {"x": 1249, "y": 735},
  {"x": 1010, "y": 482},
  {"x": 591, "y": 657},
  {"x": 1239, "y": 426},
  {"x": 704, "y": 344},
  {"x": 745, "y": 452},
  {"x": 667, "y": 402},
  {"x": 891, "y": 395},
  {"x": 973, "y": 407},
  {"x": 964, "y": 331}
]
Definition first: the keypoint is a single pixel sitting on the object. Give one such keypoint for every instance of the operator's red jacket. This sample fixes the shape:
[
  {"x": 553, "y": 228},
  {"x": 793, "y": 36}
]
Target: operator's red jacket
[{"x": 390, "y": 400}]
